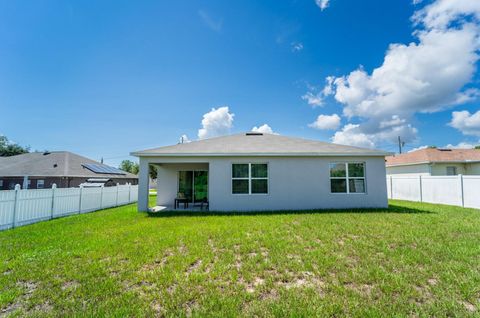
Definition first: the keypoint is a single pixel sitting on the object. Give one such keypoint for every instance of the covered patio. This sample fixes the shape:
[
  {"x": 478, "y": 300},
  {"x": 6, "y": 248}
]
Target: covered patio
[{"x": 180, "y": 186}]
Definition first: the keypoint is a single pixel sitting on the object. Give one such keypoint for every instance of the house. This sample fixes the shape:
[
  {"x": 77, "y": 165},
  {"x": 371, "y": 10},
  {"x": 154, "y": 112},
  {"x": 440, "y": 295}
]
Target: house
[
  {"x": 258, "y": 171},
  {"x": 435, "y": 162},
  {"x": 37, "y": 170}
]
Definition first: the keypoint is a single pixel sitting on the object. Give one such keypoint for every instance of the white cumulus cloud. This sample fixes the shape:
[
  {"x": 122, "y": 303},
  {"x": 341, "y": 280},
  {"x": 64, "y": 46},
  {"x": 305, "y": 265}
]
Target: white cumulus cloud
[
  {"x": 217, "y": 122},
  {"x": 467, "y": 123},
  {"x": 313, "y": 99},
  {"x": 296, "y": 46},
  {"x": 461, "y": 145},
  {"x": 322, "y": 4},
  {"x": 351, "y": 135},
  {"x": 428, "y": 75},
  {"x": 263, "y": 129},
  {"x": 326, "y": 122}
]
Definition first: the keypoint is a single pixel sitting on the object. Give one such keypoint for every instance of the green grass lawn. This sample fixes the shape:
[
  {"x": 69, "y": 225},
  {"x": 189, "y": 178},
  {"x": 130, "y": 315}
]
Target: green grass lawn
[{"x": 410, "y": 260}]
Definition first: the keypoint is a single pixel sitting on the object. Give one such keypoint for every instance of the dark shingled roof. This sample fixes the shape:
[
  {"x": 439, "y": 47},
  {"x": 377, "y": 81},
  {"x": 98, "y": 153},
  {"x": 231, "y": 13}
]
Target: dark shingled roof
[
  {"x": 250, "y": 144},
  {"x": 51, "y": 164}
]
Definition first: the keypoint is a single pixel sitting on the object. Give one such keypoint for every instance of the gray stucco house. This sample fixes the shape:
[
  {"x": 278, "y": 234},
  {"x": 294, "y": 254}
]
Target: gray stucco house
[{"x": 258, "y": 171}]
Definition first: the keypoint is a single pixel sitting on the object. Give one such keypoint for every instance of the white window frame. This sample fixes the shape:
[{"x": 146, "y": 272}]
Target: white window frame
[
  {"x": 347, "y": 177},
  {"x": 42, "y": 182},
  {"x": 250, "y": 178}
]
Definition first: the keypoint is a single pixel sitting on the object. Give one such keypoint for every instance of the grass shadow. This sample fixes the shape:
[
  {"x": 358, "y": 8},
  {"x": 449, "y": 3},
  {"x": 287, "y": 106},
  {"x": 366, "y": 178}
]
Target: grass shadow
[{"x": 392, "y": 208}]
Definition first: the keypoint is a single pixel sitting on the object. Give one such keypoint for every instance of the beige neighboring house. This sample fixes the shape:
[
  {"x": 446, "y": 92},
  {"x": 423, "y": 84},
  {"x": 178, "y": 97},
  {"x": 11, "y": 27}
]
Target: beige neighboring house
[{"x": 435, "y": 162}]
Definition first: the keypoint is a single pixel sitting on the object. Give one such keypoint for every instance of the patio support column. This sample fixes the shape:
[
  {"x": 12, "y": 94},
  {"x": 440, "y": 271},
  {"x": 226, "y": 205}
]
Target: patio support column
[{"x": 143, "y": 181}]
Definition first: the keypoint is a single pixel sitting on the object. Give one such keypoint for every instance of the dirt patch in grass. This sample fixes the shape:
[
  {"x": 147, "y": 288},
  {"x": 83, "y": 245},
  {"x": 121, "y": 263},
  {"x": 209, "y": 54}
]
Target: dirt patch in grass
[
  {"x": 28, "y": 288},
  {"x": 193, "y": 267},
  {"x": 157, "y": 263},
  {"x": 70, "y": 285},
  {"x": 364, "y": 290},
  {"x": 469, "y": 306}
]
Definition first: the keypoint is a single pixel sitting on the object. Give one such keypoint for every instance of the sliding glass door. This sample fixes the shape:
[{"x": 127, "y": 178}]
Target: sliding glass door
[{"x": 193, "y": 185}]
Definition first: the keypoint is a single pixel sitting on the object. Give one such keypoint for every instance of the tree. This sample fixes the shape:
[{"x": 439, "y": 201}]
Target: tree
[
  {"x": 152, "y": 171},
  {"x": 129, "y": 166},
  {"x": 477, "y": 147},
  {"x": 8, "y": 148},
  {"x": 134, "y": 167}
]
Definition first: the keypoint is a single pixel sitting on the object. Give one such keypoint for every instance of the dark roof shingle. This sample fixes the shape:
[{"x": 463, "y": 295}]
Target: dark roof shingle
[{"x": 54, "y": 164}]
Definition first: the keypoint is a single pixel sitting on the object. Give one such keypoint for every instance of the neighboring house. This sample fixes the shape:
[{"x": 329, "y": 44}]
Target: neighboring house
[
  {"x": 255, "y": 171},
  {"x": 37, "y": 170},
  {"x": 435, "y": 162}
]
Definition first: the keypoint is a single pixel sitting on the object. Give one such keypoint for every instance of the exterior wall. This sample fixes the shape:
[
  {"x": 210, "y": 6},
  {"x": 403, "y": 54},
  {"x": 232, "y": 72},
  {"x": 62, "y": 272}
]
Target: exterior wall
[
  {"x": 473, "y": 169},
  {"x": 440, "y": 169},
  {"x": 411, "y": 170},
  {"x": 167, "y": 179},
  {"x": 294, "y": 183}
]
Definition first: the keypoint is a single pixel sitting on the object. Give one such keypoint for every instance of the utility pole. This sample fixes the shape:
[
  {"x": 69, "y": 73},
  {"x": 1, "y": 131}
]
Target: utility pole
[{"x": 400, "y": 144}]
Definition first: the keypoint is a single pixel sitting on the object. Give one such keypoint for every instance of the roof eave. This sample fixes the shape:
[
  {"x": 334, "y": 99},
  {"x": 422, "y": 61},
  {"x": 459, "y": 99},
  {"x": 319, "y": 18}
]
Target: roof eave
[{"x": 265, "y": 154}]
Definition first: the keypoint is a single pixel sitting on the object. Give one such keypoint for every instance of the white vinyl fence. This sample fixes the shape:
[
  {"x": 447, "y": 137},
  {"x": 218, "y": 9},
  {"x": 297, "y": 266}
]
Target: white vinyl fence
[
  {"x": 453, "y": 190},
  {"x": 20, "y": 207}
]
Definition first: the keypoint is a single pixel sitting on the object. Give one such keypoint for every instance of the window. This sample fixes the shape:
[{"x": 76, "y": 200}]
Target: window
[
  {"x": 40, "y": 184},
  {"x": 1, "y": 183},
  {"x": 451, "y": 171},
  {"x": 249, "y": 178},
  {"x": 347, "y": 177}
]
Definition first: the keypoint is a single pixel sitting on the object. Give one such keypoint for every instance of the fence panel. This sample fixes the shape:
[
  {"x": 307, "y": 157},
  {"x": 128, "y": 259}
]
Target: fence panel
[
  {"x": 123, "y": 194},
  {"x": 452, "y": 190},
  {"x": 66, "y": 202},
  {"x": 134, "y": 193},
  {"x": 406, "y": 188},
  {"x": 109, "y": 197},
  {"x": 20, "y": 207},
  {"x": 91, "y": 199},
  {"x": 7, "y": 206},
  {"x": 471, "y": 191},
  {"x": 442, "y": 189},
  {"x": 33, "y": 205}
]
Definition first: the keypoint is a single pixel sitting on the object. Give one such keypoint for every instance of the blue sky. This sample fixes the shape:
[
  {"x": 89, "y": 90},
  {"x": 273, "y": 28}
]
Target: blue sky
[{"x": 103, "y": 78}]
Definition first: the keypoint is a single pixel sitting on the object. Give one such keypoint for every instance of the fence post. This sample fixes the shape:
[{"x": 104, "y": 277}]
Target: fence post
[
  {"x": 129, "y": 193},
  {"x": 421, "y": 188},
  {"x": 15, "y": 205},
  {"x": 391, "y": 187},
  {"x": 80, "y": 200},
  {"x": 116, "y": 200},
  {"x": 54, "y": 186},
  {"x": 101, "y": 196},
  {"x": 460, "y": 176}
]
